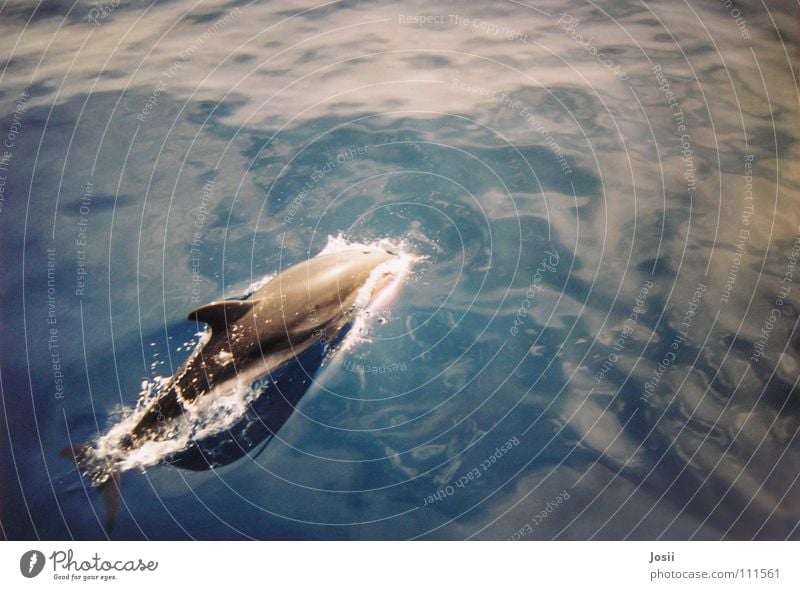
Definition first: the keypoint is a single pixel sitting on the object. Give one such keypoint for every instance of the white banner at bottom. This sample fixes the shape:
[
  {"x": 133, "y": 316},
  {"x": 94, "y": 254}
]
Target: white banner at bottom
[{"x": 398, "y": 565}]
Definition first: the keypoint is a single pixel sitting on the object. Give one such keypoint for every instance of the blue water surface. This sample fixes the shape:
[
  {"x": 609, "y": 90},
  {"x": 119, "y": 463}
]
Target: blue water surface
[{"x": 600, "y": 343}]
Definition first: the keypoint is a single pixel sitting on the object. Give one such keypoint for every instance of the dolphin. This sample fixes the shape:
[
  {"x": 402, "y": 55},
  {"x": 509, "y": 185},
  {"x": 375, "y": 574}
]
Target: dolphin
[{"x": 307, "y": 304}]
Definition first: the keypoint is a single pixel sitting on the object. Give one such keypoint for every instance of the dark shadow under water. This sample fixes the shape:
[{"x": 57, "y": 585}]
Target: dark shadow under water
[{"x": 278, "y": 394}]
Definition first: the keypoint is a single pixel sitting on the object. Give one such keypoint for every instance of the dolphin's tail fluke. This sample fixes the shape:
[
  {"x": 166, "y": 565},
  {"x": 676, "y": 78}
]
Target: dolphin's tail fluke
[
  {"x": 110, "y": 492},
  {"x": 104, "y": 477}
]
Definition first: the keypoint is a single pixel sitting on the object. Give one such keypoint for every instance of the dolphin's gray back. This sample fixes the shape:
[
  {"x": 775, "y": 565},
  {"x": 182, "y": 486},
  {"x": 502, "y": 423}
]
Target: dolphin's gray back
[{"x": 304, "y": 304}]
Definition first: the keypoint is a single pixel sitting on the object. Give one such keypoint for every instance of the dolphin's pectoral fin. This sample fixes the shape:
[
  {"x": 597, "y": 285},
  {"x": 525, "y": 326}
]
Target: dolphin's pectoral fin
[{"x": 220, "y": 314}]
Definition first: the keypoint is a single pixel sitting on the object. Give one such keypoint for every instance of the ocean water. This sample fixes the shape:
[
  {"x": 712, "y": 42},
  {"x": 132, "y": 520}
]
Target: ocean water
[{"x": 599, "y": 341}]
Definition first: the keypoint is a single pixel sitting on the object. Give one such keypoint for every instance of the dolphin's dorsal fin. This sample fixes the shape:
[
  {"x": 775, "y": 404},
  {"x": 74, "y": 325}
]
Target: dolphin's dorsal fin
[{"x": 221, "y": 313}]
